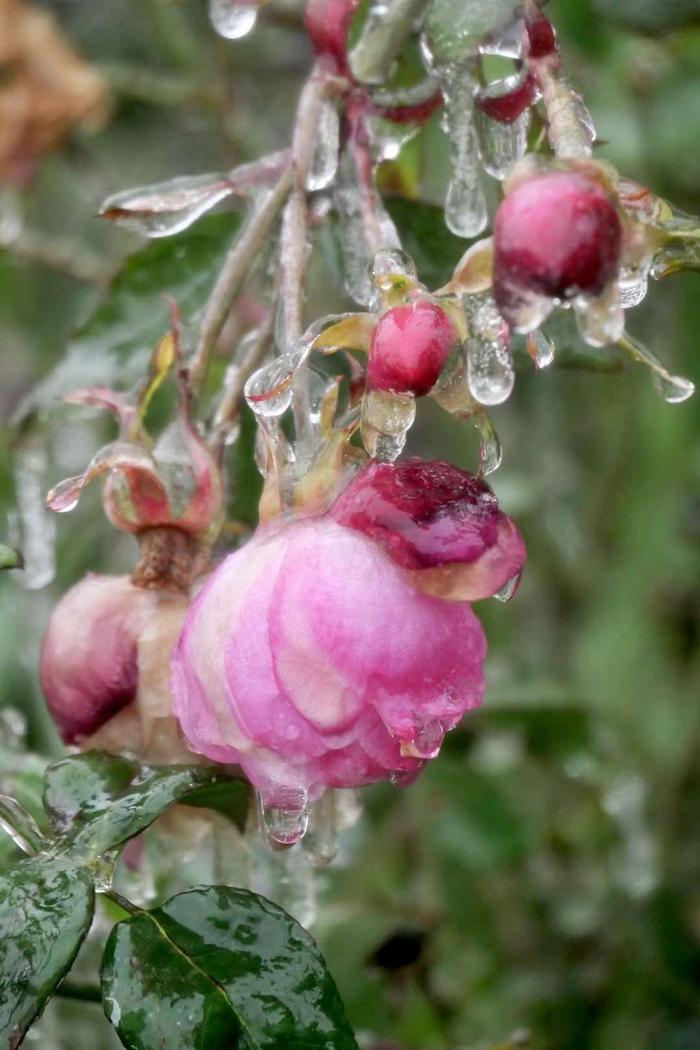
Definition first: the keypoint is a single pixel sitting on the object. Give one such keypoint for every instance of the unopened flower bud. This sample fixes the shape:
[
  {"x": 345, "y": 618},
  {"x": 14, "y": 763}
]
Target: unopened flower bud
[
  {"x": 89, "y": 655},
  {"x": 409, "y": 347},
  {"x": 557, "y": 235}
]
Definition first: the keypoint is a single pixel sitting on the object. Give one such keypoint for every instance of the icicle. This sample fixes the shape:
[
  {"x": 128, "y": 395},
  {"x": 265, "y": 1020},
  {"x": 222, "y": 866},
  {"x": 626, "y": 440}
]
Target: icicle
[
  {"x": 540, "y": 348},
  {"x": 426, "y": 741},
  {"x": 324, "y": 163},
  {"x": 287, "y": 878},
  {"x": 233, "y": 19},
  {"x": 284, "y": 815},
  {"x": 321, "y": 840},
  {"x": 634, "y": 285},
  {"x": 489, "y": 365},
  {"x": 386, "y": 421},
  {"x": 501, "y": 145},
  {"x": 673, "y": 389},
  {"x": 35, "y": 528},
  {"x": 491, "y": 453},
  {"x": 465, "y": 204},
  {"x": 601, "y": 321}
]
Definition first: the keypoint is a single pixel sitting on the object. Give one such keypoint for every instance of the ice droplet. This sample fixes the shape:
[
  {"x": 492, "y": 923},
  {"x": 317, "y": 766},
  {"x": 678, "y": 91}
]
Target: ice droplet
[
  {"x": 233, "y": 19},
  {"x": 386, "y": 421},
  {"x": 491, "y": 453},
  {"x": 501, "y": 145},
  {"x": 465, "y": 204},
  {"x": 540, "y": 348},
  {"x": 508, "y": 589},
  {"x": 633, "y": 289},
  {"x": 165, "y": 208},
  {"x": 426, "y": 740},
  {"x": 269, "y": 390},
  {"x": 673, "y": 389},
  {"x": 324, "y": 163},
  {"x": 284, "y": 815},
  {"x": 33, "y": 528},
  {"x": 601, "y": 321},
  {"x": 489, "y": 365}
]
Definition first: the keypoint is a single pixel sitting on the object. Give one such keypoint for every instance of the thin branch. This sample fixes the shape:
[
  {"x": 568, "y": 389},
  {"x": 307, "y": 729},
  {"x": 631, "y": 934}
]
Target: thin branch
[
  {"x": 230, "y": 404},
  {"x": 234, "y": 272}
]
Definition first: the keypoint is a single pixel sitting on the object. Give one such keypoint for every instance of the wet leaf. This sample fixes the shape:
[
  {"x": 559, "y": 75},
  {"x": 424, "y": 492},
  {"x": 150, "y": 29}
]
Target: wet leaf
[
  {"x": 220, "y": 968},
  {"x": 113, "y": 348},
  {"x": 97, "y": 801},
  {"x": 46, "y": 909}
]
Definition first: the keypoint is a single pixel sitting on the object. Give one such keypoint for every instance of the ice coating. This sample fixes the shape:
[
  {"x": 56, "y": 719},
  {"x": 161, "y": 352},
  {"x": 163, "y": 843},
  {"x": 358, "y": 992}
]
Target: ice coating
[
  {"x": 437, "y": 520},
  {"x": 88, "y": 663},
  {"x": 409, "y": 347},
  {"x": 311, "y": 659},
  {"x": 557, "y": 235}
]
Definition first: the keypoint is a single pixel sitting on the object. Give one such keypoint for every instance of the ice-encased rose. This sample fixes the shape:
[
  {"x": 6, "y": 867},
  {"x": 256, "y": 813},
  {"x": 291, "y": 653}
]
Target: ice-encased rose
[
  {"x": 89, "y": 654},
  {"x": 313, "y": 660}
]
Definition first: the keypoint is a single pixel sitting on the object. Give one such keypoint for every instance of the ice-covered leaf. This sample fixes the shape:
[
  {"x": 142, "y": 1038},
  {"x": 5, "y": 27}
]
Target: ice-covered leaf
[
  {"x": 98, "y": 801},
  {"x": 46, "y": 909},
  {"x": 113, "y": 348},
  {"x": 220, "y": 968}
]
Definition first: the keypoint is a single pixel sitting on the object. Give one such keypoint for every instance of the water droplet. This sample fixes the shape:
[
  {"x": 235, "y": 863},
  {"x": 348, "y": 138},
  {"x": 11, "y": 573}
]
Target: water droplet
[
  {"x": 489, "y": 365},
  {"x": 324, "y": 163},
  {"x": 269, "y": 390},
  {"x": 501, "y": 145},
  {"x": 673, "y": 389},
  {"x": 386, "y": 420},
  {"x": 426, "y": 741},
  {"x": 284, "y": 815},
  {"x": 529, "y": 310},
  {"x": 508, "y": 589},
  {"x": 465, "y": 204},
  {"x": 165, "y": 208},
  {"x": 394, "y": 274},
  {"x": 233, "y": 19},
  {"x": 540, "y": 348},
  {"x": 601, "y": 321},
  {"x": 491, "y": 453},
  {"x": 633, "y": 289}
]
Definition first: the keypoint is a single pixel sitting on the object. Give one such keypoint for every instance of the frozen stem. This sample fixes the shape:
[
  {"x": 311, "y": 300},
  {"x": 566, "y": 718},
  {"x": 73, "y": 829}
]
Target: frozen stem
[
  {"x": 387, "y": 27},
  {"x": 232, "y": 397}
]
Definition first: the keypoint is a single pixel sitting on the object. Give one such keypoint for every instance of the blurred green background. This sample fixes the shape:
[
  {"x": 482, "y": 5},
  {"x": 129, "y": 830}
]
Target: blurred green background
[{"x": 543, "y": 877}]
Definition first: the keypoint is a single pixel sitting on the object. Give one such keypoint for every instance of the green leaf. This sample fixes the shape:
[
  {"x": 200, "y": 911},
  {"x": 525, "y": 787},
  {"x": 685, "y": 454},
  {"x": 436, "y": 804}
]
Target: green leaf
[
  {"x": 650, "y": 14},
  {"x": 427, "y": 240},
  {"x": 114, "y": 346},
  {"x": 10, "y": 558},
  {"x": 220, "y": 968},
  {"x": 98, "y": 801},
  {"x": 46, "y": 909}
]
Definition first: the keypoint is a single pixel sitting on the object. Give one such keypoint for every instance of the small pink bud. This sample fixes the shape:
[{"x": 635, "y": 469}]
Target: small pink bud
[
  {"x": 409, "y": 348},
  {"x": 556, "y": 235},
  {"x": 312, "y": 660},
  {"x": 432, "y": 516},
  {"x": 88, "y": 663}
]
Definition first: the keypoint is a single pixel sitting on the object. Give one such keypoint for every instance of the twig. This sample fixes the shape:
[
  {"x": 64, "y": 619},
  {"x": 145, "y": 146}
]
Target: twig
[
  {"x": 386, "y": 29},
  {"x": 235, "y": 270}
]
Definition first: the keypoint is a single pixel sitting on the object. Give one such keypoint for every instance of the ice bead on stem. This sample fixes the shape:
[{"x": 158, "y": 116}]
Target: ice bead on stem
[
  {"x": 489, "y": 365},
  {"x": 324, "y": 162},
  {"x": 502, "y": 116},
  {"x": 540, "y": 348},
  {"x": 386, "y": 421},
  {"x": 166, "y": 208},
  {"x": 673, "y": 389},
  {"x": 601, "y": 321},
  {"x": 284, "y": 815},
  {"x": 233, "y": 19}
]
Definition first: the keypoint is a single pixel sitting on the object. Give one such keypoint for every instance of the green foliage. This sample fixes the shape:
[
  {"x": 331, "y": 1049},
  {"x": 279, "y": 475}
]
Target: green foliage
[
  {"x": 220, "y": 968},
  {"x": 46, "y": 908}
]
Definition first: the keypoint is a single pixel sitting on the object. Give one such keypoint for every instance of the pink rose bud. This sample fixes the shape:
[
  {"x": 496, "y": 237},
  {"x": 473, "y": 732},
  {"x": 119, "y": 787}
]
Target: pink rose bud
[
  {"x": 88, "y": 664},
  {"x": 439, "y": 521},
  {"x": 557, "y": 235},
  {"x": 310, "y": 659},
  {"x": 410, "y": 345}
]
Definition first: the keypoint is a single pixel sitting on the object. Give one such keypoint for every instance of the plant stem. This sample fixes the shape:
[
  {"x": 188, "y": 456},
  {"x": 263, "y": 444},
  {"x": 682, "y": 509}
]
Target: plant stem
[
  {"x": 229, "y": 406},
  {"x": 20, "y": 826},
  {"x": 234, "y": 272},
  {"x": 122, "y": 902},
  {"x": 84, "y": 992},
  {"x": 384, "y": 34}
]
